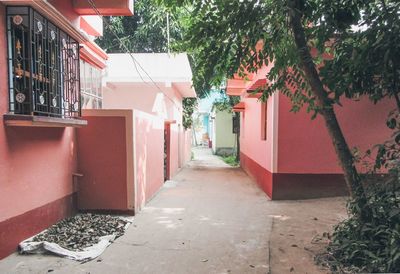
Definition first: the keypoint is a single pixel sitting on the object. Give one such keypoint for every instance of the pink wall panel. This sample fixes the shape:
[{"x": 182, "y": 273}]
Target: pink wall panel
[
  {"x": 3, "y": 109},
  {"x": 262, "y": 176},
  {"x": 36, "y": 164},
  {"x": 92, "y": 27},
  {"x": 130, "y": 98},
  {"x": 251, "y": 143},
  {"x": 305, "y": 146},
  {"x": 187, "y": 147},
  {"x": 149, "y": 152},
  {"x": 103, "y": 163},
  {"x": 144, "y": 98},
  {"x": 65, "y": 7}
]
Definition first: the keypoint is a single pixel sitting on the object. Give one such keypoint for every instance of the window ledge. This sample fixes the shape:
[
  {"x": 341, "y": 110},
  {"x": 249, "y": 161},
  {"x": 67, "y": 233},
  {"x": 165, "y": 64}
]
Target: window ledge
[{"x": 17, "y": 120}]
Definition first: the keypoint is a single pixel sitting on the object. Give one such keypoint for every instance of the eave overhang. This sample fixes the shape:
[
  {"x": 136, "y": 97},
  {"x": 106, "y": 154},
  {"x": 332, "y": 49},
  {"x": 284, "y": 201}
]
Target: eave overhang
[
  {"x": 104, "y": 7},
  {"x": 255, "y": 90},
  {"x": 239, "y": 107}
]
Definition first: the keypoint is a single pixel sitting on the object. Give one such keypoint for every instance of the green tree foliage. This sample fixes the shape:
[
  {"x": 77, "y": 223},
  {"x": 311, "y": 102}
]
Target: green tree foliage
[
  {"x": 319, "y": 51},
  {"x": 366, "y": 57},
  {"x": 226, "y": 102},
  {"x": 224, "y": 35},
  {"x": 359, "y": 36},
  {"x": 145, "y": 31},
  {"x": 372, "y": 246},
  {"x": 189, "y": 106}
]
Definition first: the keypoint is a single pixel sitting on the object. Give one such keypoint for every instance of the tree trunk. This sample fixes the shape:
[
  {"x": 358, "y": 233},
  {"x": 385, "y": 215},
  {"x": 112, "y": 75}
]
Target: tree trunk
[{"x": 346, "y": 159}]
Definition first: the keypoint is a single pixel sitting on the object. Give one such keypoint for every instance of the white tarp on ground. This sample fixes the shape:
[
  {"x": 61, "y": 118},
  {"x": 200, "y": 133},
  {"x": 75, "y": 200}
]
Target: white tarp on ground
[{"x": 28, "y": 246}]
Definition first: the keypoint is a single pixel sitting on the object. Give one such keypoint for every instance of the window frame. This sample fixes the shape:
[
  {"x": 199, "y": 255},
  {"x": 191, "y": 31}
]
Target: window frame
[
  {"x": 91, "y": 89},
  {"x": 43, "y": 72},
  {"x": 264, "y": 120}
]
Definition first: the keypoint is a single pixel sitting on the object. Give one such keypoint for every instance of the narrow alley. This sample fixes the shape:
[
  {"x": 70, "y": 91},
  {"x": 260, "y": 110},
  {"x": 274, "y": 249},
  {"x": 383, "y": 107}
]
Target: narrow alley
[{"x": 211, "y": 218}]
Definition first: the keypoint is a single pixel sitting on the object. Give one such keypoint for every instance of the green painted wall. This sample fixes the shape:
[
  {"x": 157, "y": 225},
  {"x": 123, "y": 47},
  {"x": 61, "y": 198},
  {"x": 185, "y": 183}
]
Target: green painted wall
[{"x": 224, "y": 138}]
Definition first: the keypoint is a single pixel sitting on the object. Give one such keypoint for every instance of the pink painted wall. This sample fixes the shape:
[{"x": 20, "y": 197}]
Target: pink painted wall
[
  {"x": 36, "y": 164},
  {"x": 251, "y": 143},
  {"x": 106, "y": 7},
  {"x": 36, "y": 167},
  {"x": 250, "y": 135},
  {"x": 144, "y": 98},
  {"x": 305, "y": 146},
  {"x": 149, "y": 152},
  {"x": 89, "y": 26},
  {"x": 187, "y": 137},
  {"x": 302, "y": 145},
  {"x": 121, "y": 159},
  {"x": 102, "y": 155},
  {"x": 298, "y": 160},
  {"x": 256, "y": 155}
]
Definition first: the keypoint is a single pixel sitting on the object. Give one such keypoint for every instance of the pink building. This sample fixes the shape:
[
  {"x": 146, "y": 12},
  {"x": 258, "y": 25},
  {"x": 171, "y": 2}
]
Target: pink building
[
  {"x": 49, "y": 67},
  {"x": 137, "y": 141},
  {"x": 291, "y": 156},
  {"x": 156, "y": 85}
]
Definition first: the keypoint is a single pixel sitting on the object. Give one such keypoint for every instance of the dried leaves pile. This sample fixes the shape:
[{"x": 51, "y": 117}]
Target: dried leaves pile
[{"x": 82, "y": 231}]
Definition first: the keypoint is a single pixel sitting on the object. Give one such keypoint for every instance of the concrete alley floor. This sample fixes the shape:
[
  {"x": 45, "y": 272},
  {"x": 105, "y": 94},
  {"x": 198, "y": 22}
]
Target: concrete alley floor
[{"x": 211, "y": 218}]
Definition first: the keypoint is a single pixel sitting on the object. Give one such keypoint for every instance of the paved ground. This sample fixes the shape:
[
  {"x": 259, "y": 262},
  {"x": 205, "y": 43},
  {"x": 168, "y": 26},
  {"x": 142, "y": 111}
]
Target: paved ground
[{"x": 210, "y": 219}]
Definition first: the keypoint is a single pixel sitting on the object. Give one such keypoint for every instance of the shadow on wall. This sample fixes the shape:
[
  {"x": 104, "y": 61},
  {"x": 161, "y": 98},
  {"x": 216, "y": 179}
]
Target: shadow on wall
[
  {"x": 141, "y": 146},
  {"x": 41, "y": 146},
  {"x": 149, "y": 153},
  {"x": 23, "y": 138}
]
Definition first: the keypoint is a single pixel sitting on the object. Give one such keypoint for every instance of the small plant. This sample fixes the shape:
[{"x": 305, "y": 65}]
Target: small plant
[
  {"x": 372, "y": 246},
  {"x": 230, "y": 160}
]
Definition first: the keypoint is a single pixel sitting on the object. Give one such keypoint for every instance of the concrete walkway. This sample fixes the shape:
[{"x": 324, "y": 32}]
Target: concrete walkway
[{"x": 210, "y": 219}]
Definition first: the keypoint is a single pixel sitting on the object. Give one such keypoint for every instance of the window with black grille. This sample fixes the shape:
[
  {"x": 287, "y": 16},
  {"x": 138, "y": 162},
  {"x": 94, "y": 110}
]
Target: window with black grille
[{"x": 43, "y": 64}]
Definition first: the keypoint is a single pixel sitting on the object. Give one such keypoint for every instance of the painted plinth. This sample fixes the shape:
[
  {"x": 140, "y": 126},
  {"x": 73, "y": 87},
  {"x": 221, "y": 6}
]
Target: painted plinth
[{"x": 21, "y": 227}]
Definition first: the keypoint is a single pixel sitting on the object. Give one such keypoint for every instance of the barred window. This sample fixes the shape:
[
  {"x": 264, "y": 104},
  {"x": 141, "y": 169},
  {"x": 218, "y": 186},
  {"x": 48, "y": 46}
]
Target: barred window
[
  {"x": 43, "y": 64},
  {"x": 91, "y": 93}
]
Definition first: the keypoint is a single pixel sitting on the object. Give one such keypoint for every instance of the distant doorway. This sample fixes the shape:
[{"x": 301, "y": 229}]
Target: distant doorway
[{"x": 167, "y": 150}]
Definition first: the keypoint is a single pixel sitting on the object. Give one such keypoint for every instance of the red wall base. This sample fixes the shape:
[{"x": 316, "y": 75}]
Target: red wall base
[
  {"x": 308, "y": 186},
  {"x": 282, "y": 186},
  {"x": 259, "y": 174},
  {"x": 19, "y": 228}
]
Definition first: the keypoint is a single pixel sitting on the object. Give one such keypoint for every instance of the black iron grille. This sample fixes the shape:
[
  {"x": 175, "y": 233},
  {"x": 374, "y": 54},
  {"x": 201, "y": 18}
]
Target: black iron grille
[{"x": 43, "y": 66}]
